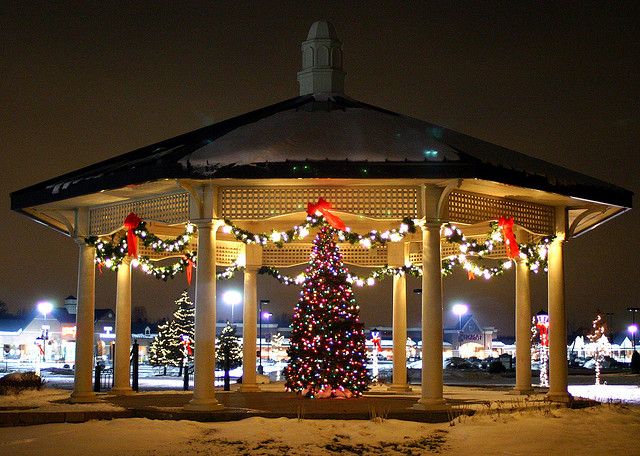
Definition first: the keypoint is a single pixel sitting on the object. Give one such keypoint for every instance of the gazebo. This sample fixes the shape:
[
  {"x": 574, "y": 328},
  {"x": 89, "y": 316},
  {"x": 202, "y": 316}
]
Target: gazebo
[{"x": 412, "y": 187}]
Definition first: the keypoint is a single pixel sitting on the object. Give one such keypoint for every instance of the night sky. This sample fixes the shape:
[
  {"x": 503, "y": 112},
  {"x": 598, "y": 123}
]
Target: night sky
[{"x": 80, "y": 83}]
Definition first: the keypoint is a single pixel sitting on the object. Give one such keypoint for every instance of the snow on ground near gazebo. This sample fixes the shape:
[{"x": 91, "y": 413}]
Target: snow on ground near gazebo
[{"x": 606, "y": 429}]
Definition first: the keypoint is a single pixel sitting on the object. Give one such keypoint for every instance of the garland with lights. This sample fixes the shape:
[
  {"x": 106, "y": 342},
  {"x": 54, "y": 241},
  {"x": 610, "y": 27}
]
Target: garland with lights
[{"x": 111, "y": 254}]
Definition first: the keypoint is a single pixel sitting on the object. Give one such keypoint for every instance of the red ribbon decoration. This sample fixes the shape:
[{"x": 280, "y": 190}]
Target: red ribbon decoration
[
  {"x": 471, "y": 275},
  {"x": 130, "y": 223},
  {"x": 189, "y": 269},
  {"x": 506, "y": 224},
  {"x": 186, "y": 342},
  {"x": 375, "y": 339},
  {"x": 323, "y": 206},
  {"x": 100, "y": 267}
]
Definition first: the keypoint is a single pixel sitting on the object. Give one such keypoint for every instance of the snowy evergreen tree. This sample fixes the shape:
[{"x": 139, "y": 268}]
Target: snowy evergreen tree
[
  {"x": 228, "y": 352},
  {"x": 327, "y": 354},
  {"x": 160, "y": 350},
  {"x": 167, "y": 349}
]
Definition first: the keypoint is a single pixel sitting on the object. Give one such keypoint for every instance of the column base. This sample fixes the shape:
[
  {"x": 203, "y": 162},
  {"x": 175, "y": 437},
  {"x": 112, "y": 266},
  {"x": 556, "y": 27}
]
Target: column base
[
  {"x": 521, "y": 390},
  {"x": 400, "y": 388},
  {"x": 126, "y": 391},
  {"x": 203, "y": 405},
  {"x": 83, "y": 397},
  {"x": 249, "y": 388},
  {"x": 431, "y": 404},
  {"x": 563, "y": 397}
]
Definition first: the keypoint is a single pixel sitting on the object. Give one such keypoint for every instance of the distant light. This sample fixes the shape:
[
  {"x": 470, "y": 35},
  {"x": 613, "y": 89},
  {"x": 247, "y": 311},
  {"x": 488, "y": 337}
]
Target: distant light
[
  {"x": 430, "y": 153},
  {"x": 232, "y": 297},
  {"x": 45, "y": 307},
  {"x": 266, "y": 315},
  {"x": 460, "y": 309},
  {"x": 633, "y": 328}
]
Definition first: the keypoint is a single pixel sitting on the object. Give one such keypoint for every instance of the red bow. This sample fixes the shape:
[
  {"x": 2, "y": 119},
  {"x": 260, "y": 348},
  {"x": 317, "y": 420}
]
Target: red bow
[
  {"x": 506, "y": 224},
  {"x": 376, "y": 342},
  {"x": 131, "y": 223},
  {"x": 323, "y": 206},
  {"x": 189, "y": 269}
]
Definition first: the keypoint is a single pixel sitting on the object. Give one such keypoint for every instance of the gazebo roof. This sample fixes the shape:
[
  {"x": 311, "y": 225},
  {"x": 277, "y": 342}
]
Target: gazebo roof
[{"x": 322, "y": 136}]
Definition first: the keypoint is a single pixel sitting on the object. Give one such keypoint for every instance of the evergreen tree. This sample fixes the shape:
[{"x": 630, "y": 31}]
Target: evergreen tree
[
  {"x": 167, "y": 349},
  {"x": 161, "y": 347},
  {"x": 228, "y": 352},
  {"x": 327, "y": 355},
  {"x": 597, "y": 337}
]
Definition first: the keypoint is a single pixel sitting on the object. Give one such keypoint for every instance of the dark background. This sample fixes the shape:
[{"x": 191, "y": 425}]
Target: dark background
[{"x": 83, "y": 82}]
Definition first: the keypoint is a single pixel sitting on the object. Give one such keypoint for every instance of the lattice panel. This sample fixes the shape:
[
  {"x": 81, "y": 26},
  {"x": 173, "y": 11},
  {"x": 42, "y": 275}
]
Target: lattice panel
[
  {"x": 169, "y": 209},
  {"x": 294, "y": 254},
  {"x": 238, "y": 203},
  {"x": 227, "y": 252},
  {"x": 471, "y": 208}
]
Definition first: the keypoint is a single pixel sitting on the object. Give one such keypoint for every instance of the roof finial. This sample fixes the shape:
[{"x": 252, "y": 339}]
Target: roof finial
[{"x": 321, "y": 61}]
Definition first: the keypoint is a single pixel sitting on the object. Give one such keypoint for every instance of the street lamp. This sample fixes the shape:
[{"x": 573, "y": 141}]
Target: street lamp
[
  {"x": 232, "y": 297},
  {"x": 460, "y": 310},
  {"x": 633, "y": 329},
  {"x": 261, "y": 315},
  {"x": 44, "y": 307}
]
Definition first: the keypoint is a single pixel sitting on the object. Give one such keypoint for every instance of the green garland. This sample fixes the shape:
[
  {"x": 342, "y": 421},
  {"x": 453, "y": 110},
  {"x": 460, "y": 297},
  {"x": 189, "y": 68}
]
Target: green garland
[
  {"x": 298, "y": 232},
  {"x": 110, "y": 254}
]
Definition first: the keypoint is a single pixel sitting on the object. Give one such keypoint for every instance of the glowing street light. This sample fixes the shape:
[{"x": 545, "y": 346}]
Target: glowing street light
[
  {"x": 232, "y": 297},
  {"x": 633, "y": 329},
  {"x": 262, "y": 315},
  {"x": 460, "y": 310},
  {"x": 45, "y": 307}
]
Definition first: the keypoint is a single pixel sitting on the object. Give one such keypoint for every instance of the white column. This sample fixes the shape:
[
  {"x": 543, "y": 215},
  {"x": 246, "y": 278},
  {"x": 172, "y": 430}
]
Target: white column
[
  {"x": 558, "y": 364},
  {"x": 249, "y": 318},
  {"x": 398, "y": 255},
  {"x": 432, "y": 385},
  {"x": 523, "y": 329},
  {"x": 83, "y": 371},
  {"x": 205, "y": 325},
  {"x": 122, "y": 379}
]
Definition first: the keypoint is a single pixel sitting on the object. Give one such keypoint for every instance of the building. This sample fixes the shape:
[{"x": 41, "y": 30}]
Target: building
[
  {"x": 51, "y": 338},
  {"x": 468, "y": 339}
]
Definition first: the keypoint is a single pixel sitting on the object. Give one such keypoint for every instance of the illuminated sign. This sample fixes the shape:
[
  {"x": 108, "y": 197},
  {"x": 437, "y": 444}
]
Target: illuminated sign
[{"x": 69, "y": 331}]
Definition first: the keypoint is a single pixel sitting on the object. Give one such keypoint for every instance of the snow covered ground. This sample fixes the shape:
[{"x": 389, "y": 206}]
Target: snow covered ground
[{"x": 603, "y": 430}]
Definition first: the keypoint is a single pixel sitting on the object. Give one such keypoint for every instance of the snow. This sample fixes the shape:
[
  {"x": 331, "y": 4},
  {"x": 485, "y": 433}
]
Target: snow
[
  {"x": 548, "y": 431},
  {"x": 629, "y": 394}
]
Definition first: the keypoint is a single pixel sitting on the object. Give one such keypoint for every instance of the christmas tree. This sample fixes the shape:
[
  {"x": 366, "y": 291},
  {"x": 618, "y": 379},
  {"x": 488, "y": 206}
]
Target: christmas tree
[
  {"x": 168, "y": 347},
  {"x": 161, "y": 348},
  {"x": 228, "y": 352},
  {"x": 596, "y": 336},
  {"x": 327, "y": 355}
]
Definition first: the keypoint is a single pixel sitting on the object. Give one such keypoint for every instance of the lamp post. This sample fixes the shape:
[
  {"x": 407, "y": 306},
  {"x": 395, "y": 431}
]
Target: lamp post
[
  {"x": 232, "y": 297},
  {"x": 44, "y": 307},
  {"x": 633, "y": 329},
  {"x": 460, "y": 310},
  {"x": 263, "y": 302},
  {"x": 634, "y": 311}
]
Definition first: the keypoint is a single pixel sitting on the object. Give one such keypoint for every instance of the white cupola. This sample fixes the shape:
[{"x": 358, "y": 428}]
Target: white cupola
[{"x": 321, "y": 61}]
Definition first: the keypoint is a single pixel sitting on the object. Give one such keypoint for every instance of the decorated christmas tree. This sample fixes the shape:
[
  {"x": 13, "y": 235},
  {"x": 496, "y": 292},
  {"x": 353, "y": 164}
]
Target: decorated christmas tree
[
  {"x": 173, "y": 346},
  {"x": 327, "y": 355},
  {"x": 600, "y": 343},
  {"x": 160, "y": 350},
  {"x": 228, "y": 352}
]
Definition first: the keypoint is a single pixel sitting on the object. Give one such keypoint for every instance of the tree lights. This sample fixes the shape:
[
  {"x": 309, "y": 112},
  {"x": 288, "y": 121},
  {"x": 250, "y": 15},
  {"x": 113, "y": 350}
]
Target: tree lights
[
  {"x": 327, "y": 352},
  {"x": 597, "y": 337}
]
